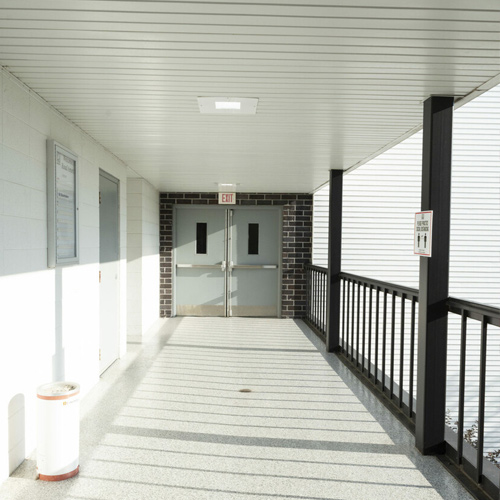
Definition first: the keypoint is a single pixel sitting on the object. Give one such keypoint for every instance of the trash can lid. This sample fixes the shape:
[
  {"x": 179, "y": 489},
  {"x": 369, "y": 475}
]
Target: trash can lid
[{"x": 58, "y": 390}]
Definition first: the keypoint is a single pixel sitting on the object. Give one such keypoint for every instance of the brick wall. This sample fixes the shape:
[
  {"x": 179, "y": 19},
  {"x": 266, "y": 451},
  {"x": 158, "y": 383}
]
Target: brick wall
[{"x": 297, "y": 243}]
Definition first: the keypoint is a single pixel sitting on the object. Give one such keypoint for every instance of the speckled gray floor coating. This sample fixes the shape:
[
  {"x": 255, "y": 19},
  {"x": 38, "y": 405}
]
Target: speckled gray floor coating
[{"x": 169, "y": 422}]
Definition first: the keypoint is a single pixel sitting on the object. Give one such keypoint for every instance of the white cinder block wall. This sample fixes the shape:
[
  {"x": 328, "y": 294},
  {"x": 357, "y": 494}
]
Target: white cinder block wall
[
  {"x": 143, "y": 257},
  {"x": 134, "y": 253},
  {"x": 49, "y": 320},
  {"x": 150, "y": 256}
]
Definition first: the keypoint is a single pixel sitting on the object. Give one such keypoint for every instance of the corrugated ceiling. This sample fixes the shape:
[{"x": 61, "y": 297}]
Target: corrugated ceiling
[{"x": 337, "y": 81}]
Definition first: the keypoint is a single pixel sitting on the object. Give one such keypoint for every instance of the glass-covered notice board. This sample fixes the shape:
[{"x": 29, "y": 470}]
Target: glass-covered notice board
[{"x": 62, "y": 205}]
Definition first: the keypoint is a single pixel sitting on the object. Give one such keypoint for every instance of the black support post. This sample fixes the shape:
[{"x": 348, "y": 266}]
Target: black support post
[
  {"x": 434, "y": 277},
  {"x": 334, "y": 261}
]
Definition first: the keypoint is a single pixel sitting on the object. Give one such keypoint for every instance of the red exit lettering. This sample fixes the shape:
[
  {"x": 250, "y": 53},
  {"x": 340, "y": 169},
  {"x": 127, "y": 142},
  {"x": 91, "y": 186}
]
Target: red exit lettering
[{"x": 227, "y": 198}]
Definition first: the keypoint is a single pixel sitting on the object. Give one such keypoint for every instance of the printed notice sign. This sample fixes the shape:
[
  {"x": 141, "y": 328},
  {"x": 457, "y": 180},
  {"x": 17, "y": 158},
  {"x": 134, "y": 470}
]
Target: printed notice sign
[
  {"x": 423, "y": 234},
  {"x": 65, "y": 206}
]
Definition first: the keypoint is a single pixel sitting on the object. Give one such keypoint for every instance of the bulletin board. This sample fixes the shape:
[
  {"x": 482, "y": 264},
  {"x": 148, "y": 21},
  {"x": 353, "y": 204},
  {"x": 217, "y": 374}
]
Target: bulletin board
[{"x": 62, "y": 205}]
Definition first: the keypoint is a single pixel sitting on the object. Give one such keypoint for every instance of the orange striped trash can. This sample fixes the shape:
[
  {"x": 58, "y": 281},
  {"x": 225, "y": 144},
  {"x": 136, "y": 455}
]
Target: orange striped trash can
[{"x": 58, "y": 444}]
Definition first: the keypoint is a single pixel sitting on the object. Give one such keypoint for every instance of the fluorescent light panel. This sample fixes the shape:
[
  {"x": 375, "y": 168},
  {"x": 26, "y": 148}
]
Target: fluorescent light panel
[{"x": 227, "y": 105}]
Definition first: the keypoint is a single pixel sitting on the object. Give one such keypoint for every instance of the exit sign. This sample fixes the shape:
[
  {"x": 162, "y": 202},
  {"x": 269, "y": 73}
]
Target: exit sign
[{"x": 227, "y": 198}]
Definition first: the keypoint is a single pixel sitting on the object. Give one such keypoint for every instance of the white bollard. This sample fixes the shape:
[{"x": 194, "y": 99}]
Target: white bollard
[{"x": 58, "y": 449}]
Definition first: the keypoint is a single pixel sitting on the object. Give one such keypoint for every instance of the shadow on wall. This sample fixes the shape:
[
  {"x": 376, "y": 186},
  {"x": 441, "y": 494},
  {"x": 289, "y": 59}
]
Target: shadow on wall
[{"x": 17, "y": 431}]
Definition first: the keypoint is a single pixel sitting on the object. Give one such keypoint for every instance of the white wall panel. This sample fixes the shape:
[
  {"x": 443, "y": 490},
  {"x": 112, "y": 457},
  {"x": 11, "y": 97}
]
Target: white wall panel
[
  {"x": 143, "y": 267},
  {"x": 49, "y": 326}
]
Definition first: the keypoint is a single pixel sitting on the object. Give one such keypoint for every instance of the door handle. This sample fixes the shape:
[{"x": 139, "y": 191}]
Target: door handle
[
  {"x": 266, "y": 266},
  {"x": 223, "y": 266}
]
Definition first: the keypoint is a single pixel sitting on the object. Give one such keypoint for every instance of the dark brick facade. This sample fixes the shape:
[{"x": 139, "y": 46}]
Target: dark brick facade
[{"x": 297, "y": 243}]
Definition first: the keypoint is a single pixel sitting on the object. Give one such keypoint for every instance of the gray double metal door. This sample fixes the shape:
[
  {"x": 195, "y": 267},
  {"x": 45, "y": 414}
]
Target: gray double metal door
[{"x": 227, "y": 262}]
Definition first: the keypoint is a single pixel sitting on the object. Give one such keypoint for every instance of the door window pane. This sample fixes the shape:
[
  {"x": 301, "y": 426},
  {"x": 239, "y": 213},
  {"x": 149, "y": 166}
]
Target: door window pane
[
  {"x": 253, "y": 239},
  {"x": 201, "y": 237}
]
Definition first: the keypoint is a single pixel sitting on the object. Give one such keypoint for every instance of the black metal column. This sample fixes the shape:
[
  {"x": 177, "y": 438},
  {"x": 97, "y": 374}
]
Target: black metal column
[
  {"x": 434, "y": 277},
  {"x": 334, "y": 261}
]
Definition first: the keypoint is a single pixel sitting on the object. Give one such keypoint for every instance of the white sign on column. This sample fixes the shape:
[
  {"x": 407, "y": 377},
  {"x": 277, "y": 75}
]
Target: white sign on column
[{"x": 423, "y": 234}]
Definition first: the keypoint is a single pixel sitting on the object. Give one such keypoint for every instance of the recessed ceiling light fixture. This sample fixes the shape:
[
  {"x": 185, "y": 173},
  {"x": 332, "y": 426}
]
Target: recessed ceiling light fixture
[
  {"x": 227, "y": 187},
  {"x": 228, "y": 105}
]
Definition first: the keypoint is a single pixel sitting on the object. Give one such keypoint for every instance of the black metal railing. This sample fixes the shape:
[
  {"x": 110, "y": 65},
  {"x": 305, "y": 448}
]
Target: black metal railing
[
  {"x": 381, "y": 351},
  {"x": 316, "y": 298},
  {"x": 379, "y": 342},
  {"x": 474, "y": 437}
]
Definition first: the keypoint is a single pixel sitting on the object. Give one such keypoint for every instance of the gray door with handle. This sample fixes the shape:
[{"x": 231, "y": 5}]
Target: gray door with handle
[
  {"x": 227, "y": 261},
  {"x": 109, "y": 269}
]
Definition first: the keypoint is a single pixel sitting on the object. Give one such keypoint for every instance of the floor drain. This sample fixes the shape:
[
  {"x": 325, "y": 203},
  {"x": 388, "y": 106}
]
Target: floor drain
[{"x": 245, "y": 390}]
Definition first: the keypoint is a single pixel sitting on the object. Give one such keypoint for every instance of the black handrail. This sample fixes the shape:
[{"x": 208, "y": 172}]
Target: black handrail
[
  {"x": 383, "y": 285},
  {"x": 319, "y": 269},
  {"x": 475, "y": 310}
]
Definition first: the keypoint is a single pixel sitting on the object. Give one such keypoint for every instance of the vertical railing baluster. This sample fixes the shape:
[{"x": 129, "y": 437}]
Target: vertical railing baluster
[
  {"x": 370, "y": 311},
  {"x": 318, "y": 303},
  {"x": 461, "y": 390},
  {"x": 325, "y": 281},
  {"x": 393, "y": 338},
  {"x": 343, "y": 314},
  {"x": 482, "y": 399},
  {"x": 348, "y": 295},
  {"x": 402, "y": 350},
  {"x": 325, "y": 298},
  {"x": 309, "y": 295},
  {"x": 353, "y": 327},
  {"x": 377, "y": 315},
  {"x": 320, "y": 299},
  {"x": 316, "y": 300},
  {"x": 325, "y": 276},
  {"x": 412, "y": 355},
  {"x": 363, "y": 353},
  {"x": 321, "y": 302},
  {"x": 312, "y": 297},
  {"x": 384, "y": 332},
  {"x": 357, "y": 322}
]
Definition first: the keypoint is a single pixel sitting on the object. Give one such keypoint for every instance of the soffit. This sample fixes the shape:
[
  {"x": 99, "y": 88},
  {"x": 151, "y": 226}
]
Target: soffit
[{"x": 337, "y": 81}]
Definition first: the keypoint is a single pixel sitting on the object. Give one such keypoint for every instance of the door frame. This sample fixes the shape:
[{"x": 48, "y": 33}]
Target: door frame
[
  {"x": 116, "y": 181},
  {"x": 225, "y": 208}
]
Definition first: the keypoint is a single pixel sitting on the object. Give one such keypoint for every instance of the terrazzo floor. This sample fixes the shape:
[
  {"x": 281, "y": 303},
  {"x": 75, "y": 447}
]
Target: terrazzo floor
[{"x": 169, "y": 421}]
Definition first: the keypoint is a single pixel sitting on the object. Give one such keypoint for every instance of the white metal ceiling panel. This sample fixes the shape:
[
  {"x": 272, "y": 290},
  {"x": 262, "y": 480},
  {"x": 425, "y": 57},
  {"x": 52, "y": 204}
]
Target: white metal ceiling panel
[{"x": 337, "y": 82}]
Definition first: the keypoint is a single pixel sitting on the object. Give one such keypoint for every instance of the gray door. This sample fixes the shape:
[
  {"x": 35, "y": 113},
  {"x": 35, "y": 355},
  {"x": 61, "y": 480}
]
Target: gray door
[
  {"x": 109, "y": 257},
  {"x": 254, "y": 257},
  {"x": 227, "y": 261},
  {"x": 200, "y": 262}
]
